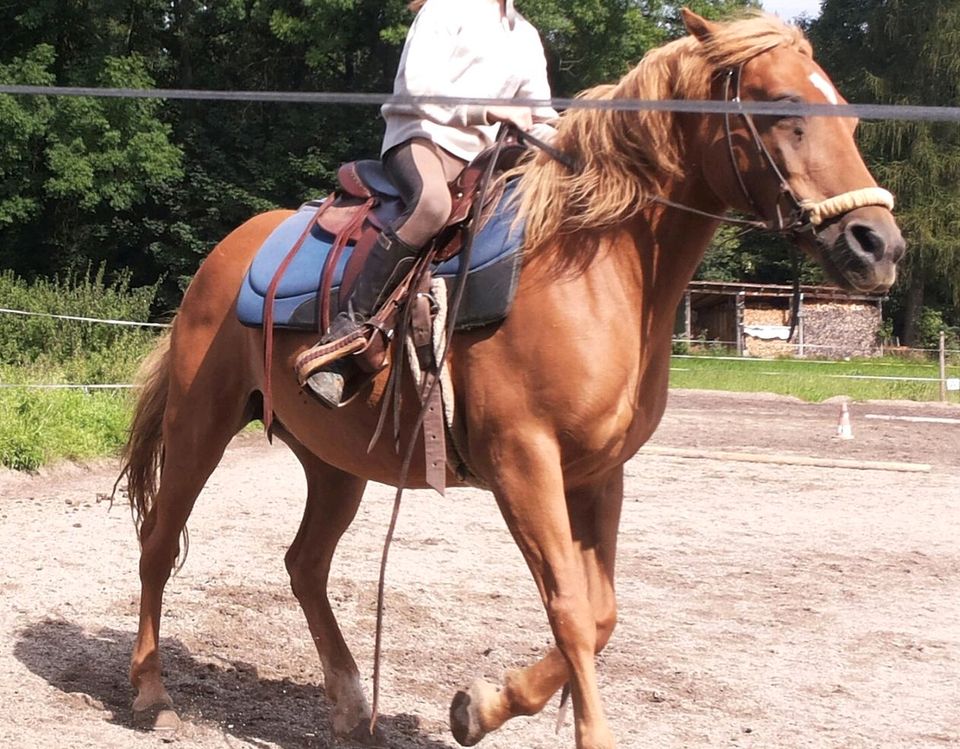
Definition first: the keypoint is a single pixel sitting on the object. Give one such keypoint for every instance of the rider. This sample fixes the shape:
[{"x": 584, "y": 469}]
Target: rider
[{"x": 466, "y": 48}]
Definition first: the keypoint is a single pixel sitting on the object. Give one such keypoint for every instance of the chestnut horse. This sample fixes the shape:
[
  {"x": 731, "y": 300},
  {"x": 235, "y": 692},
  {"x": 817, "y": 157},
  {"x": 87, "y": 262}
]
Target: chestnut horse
[{"x": 553, "y": 401}]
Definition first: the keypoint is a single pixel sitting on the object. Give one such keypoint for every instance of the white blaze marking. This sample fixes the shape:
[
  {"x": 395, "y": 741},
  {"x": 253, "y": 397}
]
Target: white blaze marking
[{"x": 823, "y": 85}]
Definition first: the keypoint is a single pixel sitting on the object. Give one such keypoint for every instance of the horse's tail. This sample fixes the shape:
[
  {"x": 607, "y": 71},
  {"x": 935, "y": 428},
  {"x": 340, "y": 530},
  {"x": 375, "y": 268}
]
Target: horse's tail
[{"x": 143, "y": 454}]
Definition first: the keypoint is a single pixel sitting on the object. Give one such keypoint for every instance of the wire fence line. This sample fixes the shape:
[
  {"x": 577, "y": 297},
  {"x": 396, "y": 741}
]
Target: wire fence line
[
  {"x": 132, "y": 386},
  {"x": 692, "y": 341},
  {"x": 77, "y": 318},
  {"x": 680, "y": 357},
  {"x": 68, "y": 386},
  {"x": 779, "y": 108},
  {"x": 828, "y": 362},
  {"x": 701, "y": 343}
]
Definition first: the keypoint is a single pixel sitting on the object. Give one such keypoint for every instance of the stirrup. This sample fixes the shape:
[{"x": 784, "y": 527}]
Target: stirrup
[
  {"x": 327, "y": 352},
  {"x": 327, "y": 385}
]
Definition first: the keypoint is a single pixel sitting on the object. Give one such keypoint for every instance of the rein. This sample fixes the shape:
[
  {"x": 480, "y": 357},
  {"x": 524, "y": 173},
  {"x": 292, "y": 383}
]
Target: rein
[
  {"x": 452, "y": 311},
  {"x": 552, "y": 151}
]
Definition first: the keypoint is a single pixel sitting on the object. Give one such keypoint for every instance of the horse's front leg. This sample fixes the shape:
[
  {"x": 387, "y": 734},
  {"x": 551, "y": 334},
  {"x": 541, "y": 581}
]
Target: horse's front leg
[
  {"x": 594, "y": 517},
  {"x": 529, "y": 489}
]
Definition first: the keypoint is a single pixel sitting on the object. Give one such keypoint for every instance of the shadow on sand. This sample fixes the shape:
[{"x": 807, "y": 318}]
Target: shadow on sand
[{"x": 230, "y": 698}]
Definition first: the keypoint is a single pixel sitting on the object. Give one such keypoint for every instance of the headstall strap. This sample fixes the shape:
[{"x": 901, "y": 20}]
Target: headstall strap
[
  {"x": 732, "y": 80},
  {"x": 799, "y": 218}
]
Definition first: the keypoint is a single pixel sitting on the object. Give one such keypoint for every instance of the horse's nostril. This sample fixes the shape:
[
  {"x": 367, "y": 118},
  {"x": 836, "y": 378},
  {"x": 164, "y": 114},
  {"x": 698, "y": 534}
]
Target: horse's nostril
[{"x": 869, "y": 241}]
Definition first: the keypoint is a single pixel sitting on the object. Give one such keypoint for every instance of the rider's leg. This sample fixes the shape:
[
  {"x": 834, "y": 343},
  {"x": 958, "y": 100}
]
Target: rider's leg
[{"x": 421, "y": 171}]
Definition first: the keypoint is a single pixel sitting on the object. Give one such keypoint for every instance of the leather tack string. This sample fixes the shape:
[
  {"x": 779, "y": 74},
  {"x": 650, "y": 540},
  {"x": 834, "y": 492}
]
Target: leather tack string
[
  {"x": 552, "y": 151},
  {"x": 268, "y": 331},
  {"x": 456, "y": 301}
]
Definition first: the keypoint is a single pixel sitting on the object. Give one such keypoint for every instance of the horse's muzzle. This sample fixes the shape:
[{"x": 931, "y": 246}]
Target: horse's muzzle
[{"x": 862, "y": 249}]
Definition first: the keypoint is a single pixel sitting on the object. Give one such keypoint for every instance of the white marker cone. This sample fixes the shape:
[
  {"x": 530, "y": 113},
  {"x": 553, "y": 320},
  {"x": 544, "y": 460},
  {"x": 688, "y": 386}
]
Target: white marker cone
[{"x": 844, "y": 430}]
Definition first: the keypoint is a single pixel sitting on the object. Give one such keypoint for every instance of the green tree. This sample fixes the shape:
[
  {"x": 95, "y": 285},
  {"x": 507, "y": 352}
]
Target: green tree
[
  {"x": 90, "y": 167},
  {"x": 153, "y": 185},
  {"x": 906, "y": 52}
]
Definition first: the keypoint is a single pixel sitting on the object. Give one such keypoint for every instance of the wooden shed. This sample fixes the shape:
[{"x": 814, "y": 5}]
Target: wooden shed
[{"x": 754, "y": 319}]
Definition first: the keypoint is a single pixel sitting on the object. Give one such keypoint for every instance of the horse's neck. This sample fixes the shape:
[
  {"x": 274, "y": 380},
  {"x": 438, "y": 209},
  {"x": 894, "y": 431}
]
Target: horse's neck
[
  {"x": 667, "y": 246},
  {"x": 626, "y": 281},
  {"x": 680, "y": 242}
]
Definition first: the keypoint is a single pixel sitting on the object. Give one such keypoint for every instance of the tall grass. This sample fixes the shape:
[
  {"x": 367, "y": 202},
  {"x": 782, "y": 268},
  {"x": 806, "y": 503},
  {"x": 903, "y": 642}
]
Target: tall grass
[
  {"x": 39, "y": 426},
  {"x": 42, "y": 426}
]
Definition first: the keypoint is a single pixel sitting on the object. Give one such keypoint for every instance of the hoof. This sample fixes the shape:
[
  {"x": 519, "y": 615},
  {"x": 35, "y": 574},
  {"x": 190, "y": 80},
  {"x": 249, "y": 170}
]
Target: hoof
[
  {"x": 160, "y": 717},
  {"x": 464, "y": 723},
  {"x": 361, "y": 735}
]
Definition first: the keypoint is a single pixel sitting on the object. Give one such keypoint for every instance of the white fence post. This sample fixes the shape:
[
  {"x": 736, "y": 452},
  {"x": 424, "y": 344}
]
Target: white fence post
[
  {"x": 943, "y": 366},
  {"x": 740, "y": 314}
]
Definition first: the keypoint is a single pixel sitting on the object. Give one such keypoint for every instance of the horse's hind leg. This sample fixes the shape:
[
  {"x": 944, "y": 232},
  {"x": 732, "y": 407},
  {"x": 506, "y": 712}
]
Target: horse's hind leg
[
  {"x": 195, "y": 414},
  {"x": 185, "y": 470},
  {"x": 594, "y": 519},
  {"x": 332, "y": 501}
]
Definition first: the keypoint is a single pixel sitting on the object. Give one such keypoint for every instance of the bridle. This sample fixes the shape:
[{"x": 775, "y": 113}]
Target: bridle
[
  {"x": 805, "y": 216},
  {"x": 798, "y": 220}
]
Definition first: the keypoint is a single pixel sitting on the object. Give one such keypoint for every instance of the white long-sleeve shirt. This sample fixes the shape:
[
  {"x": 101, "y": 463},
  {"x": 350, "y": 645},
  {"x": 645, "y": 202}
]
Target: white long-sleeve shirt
[{"x": 464, "y": 48}]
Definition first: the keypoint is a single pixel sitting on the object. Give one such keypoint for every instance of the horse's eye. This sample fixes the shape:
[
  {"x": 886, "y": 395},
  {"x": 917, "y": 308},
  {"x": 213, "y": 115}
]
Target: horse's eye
[{"x": 791, "y": 122}]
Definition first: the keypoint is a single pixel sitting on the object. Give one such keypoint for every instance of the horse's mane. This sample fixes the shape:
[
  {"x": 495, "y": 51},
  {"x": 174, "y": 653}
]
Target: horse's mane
[{"x": 623, "y": 155}]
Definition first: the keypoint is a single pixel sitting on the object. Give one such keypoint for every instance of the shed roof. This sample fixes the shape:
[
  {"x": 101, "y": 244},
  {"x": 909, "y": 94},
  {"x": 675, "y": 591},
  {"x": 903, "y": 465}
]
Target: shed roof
[{"x": 732, "y": 288}]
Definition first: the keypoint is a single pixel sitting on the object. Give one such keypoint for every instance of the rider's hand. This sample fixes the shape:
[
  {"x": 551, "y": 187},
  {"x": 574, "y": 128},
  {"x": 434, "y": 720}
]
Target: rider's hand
[{"x": 519, "y": 117}]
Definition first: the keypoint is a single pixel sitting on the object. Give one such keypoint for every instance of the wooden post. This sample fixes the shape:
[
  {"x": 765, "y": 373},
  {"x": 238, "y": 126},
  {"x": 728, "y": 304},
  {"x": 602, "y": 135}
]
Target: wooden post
[
  {"x": 943, "y": 366},
  {"x": 687, "y": 316}
]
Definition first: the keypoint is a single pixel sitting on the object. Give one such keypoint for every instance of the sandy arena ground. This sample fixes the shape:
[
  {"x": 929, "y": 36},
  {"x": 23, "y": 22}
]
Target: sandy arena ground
[{"x": 761, "y": 605}]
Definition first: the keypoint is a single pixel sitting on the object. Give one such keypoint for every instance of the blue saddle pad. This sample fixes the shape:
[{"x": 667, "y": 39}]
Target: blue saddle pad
[{"x": 494, "y": 270}]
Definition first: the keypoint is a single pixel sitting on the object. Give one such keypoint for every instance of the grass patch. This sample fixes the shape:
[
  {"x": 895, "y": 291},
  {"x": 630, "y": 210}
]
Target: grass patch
[
  {"x": 812, "y": 381},
  {"x": 40, "y": 426},
  {"x": 43, "y": 426}
]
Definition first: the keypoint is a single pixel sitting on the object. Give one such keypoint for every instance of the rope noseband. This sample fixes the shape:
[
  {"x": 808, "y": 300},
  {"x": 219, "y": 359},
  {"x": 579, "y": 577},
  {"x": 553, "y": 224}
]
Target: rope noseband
[{"x": 848, "y": 201}]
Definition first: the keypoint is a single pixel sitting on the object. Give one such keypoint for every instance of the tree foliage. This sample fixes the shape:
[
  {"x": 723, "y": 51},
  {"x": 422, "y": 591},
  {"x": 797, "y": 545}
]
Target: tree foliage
[
  {"x": 906, "y": 52},
  {"x": 150, "y": 186}
]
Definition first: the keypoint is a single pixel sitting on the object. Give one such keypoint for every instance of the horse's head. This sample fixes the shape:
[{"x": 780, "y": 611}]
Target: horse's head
[{"x": 802, "y": 173}]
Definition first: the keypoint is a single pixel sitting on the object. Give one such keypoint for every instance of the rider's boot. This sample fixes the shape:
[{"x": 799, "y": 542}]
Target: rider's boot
[{"x": 375, "y": 281}]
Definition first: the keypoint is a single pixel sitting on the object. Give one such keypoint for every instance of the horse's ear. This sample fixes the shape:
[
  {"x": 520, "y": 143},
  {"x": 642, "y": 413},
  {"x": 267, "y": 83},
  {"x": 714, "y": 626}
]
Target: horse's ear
[{"x": 698, "y": 26}]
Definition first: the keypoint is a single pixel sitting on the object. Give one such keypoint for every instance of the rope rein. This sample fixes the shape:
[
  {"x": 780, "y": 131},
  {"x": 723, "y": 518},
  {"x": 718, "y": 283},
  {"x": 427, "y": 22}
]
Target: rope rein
[{"x": 455, "y": 302}]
